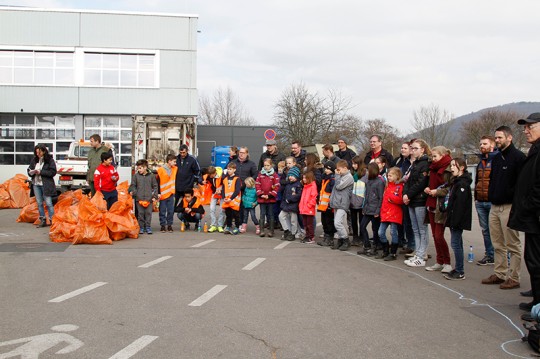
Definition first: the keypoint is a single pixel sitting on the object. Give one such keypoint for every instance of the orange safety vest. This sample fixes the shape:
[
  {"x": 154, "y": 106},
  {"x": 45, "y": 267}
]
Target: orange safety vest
[
  {"x": 197, "y": 204},
  {"x": 166, "y": 183},
  {"x": 324, "y": 197},
  {"x": 218, "y": 185},
  {"x": 205, "y": 191},
  {"x": 229, "y": 190}
]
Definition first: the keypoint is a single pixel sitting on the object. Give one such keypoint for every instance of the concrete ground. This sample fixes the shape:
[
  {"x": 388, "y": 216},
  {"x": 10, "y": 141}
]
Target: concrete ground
[{"x": 201, "y": 295}]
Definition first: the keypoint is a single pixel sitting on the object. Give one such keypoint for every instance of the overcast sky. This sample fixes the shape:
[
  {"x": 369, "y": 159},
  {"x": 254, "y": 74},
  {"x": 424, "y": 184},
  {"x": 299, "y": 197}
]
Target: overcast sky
[{"x": 389, "y": 56}]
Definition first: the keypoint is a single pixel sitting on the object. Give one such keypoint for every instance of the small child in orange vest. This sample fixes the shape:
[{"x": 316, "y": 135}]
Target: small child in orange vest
[
  {"x": 327, "y": 213},
  {"x": 166, "y": 177},
  {"x": 232, "y": 196},
  {"x": 190, "y": 209},
  {"x": 215, "y": 185}
]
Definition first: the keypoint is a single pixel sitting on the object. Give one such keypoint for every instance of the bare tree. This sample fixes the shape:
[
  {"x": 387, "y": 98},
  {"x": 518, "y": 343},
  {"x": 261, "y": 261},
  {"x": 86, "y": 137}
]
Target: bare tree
[
  {"x": 432, "y": 124},
  {"x": 389, "y": 135},
  {"x": 223, "y": 107}
]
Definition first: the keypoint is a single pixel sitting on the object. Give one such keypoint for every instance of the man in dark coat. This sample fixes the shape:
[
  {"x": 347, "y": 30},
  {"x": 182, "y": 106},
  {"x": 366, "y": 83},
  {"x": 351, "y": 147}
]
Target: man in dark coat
[
  {"x": 244, "y": 168},
  {"x": 273, "y": 153},
  {"x": 375, "y": 143},
  {"x": 345, "y": 153},
  {"x": 188, "y": 173},
  {"x": 299, "y": 154},
  {"x": 525, "y": 212}
]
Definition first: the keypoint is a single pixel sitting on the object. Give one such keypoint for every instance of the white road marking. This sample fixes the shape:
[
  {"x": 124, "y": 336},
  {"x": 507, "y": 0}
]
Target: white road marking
[
  {"x": 77, "y": 292},
  {"x": 207, "y": 296},
  {"x": 282, "y": 245},
  {"x": 134, "y": 347},
  {"x": 202, "y": 243},
  {"x": 253, "y": 264},
  {"x": 159, "y": 260}
]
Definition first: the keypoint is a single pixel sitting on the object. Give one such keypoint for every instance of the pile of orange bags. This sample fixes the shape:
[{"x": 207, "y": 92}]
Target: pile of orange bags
[{"x": 15, "y": 192}]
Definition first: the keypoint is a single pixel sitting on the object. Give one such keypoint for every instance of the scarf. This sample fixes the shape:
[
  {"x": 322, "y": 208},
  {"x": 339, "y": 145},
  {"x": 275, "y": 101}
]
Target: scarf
[{"x": 268, "y": 173}]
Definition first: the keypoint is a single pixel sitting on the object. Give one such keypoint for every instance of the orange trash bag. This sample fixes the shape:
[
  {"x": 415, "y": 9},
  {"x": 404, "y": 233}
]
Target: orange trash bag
[
  {"x": 29, "y": 213},
  {"x": 121, "y": 222},
  {"x": 4, "y": 197},
  {"x": 91, "y": 228},
  {"x": 65, "y": 219},
  {"x": 19, "y": 191}
]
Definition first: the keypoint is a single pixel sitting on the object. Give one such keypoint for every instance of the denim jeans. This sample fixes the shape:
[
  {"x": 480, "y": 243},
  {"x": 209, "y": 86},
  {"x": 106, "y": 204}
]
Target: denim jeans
[
  {"x": 482, "y": 209},
  {"x": 456, "y": 242},
  {"x": 250, "y": 212},
  {"x": 166, "y": 211},
  {"x": 221, "y": 213},
  {"x": 111, "y": 197},
  {"x": 40, "y": 198},
  {"x": 405, "y": 231},
  {"x": 393, "y": 232},
  {"x": 267, "y": 212},
  {"x": 418, "y": 215}
]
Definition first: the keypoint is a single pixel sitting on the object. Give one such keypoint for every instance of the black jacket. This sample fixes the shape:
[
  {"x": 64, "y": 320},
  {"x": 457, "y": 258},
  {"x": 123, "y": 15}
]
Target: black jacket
[
  {"x": 459, "y": 211},
  {"x": 416, "y": 183},
  {"x": 187, "y": 174},
  {"x": 505, "y": 169},
  {"x": 48, "y": 171},
  {"x": 245, "y": 169},
  {"x": 346, "y": 155},
  {"x": 525, "y": 212},
  {"x": 402, "y": 163},
  {"x": 301, "y": 159},
  {"x": 276, "y": 157},
  {"x": 385, "y": 153}
]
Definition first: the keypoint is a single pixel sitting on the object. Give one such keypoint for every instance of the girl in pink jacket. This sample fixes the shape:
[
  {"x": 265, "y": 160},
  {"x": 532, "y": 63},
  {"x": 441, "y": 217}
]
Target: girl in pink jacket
[{"x": 308, "y": 206}]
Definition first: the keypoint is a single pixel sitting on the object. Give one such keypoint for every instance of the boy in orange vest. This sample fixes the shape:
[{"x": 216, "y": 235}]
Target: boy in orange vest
[
  {"x": 190, "y": 209},
  {"x": 215, "y": 186},
  {"x": 166, "y": 177},
  {"x": 232, "y": 196},
  {"x": 327, "y": 213}
]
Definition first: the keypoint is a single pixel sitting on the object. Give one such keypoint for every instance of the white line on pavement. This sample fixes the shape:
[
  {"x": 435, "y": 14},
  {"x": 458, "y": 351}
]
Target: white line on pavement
[
  {"x": 253, "y": 264},
  {"x": 207, "y": 296},
  {"x": 159, "y": 260},
  {"x": 202, "y": 243},
  {"x": 77, "y": 292},
  {"x": 134, "y": 347},
  {"x": 282, "y": 245}
]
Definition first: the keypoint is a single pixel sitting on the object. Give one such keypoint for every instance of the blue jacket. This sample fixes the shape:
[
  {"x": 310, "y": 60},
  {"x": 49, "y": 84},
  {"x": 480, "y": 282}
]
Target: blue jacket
[
  {"x": 249, "y": 197},
  {"x": 291, "y": 197},
  {"x": 188, "y": 172}
]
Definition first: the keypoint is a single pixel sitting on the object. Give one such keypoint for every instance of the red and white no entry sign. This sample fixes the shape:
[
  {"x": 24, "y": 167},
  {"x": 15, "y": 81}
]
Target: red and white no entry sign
[{"x": 270, "y": 134}]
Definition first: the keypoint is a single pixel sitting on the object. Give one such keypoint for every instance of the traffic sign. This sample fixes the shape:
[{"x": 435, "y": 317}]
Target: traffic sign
[{"x": 270, "y": 134}]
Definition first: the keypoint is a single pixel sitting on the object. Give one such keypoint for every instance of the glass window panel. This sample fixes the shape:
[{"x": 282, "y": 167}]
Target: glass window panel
[
  {"x": 7, "y": 146},
  {"x": 6, "y": 75},
  {"x": 126, "y": 122},
  {"x": 44, "y": 76},
  {"x": 110, "y": 121},
  {"x": 6, "y": 132},
  {"x": 92, "y": 121},
  {"x": 64, "y": 77},
  {"x": 110, "y": 135},
  {"x": 23, "y": 159},
  {"x": 110, "y": 61},
  {"x": 7, "y": 120},
  {"x": 110, "y": 78},
  {"x": 128, "y": 62},
  {"x": 24, "y": 133},
  {"x": 128, "y": 78},
  {"x": 24, "y": 58},
  {"x": 125, "y": 148},
  {"x": 6, "y": 58},
  {"x": 146, "y": 78},
  {"x": 92, "y": 77},
  {"x": 24, "y": 146},
  {"x": 63, "y": 121},
  {"x": 62, "y": 146},
  {"x": 45, "y": 134},
  {"x": 23, "y": 75},
  {"x": 88, "y": 133},
  {"x": 45, "y": 121},
  {"x": 64, "y": 59},
  {"x": 61, "y": 156},
  {"x": 92, "y": 60},
  {"x": 44, "y": 59},
  {"x": 125, "y": 135},
  {"x": 146, "y": 62},
  {"x": 63, "y": 134},
  {"x": 7, "y": 159},
  {"x": 24, "y": 120},
  {"x": 125, "y": 161}
]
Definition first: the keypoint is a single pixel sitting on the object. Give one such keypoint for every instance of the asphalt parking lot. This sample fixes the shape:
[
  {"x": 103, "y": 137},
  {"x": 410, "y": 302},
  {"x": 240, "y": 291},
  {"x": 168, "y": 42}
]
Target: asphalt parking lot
[{"x": 201, "y": 295}]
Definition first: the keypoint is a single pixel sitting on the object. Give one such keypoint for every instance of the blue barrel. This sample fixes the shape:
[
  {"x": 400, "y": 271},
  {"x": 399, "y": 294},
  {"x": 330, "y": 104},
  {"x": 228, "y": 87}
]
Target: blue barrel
[{"x": 220, "y": 156}]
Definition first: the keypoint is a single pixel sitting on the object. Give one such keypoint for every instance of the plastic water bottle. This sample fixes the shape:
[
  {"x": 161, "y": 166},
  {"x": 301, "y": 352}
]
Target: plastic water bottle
[
  {"x": 470, "y": 257},
  {"x": 199, "y": 228}
]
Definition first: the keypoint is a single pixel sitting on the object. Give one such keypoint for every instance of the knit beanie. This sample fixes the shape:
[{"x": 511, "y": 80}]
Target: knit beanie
[{"x": 295, "y": 172}]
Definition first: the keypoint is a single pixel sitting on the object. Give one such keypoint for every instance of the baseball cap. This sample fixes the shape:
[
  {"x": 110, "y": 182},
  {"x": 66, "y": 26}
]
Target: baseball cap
[{"x": 532, "y": 118}]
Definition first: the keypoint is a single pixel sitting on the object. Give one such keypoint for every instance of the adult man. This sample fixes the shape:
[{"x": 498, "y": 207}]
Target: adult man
[
  {"x": 481, "y": 202},
  {"x": 328, "y": 153},
  {"x": 345, "y": 153},
  {"x": 505, "y": 168},
  {"x": 299, "y": 154},
  {"x": 524, "y": 215},
  {"x": 244, "y": 168},
  {"x": 273, "y": 153},
  {"x": 375, "y": 143},
  {"x": 405, "y": 231},
  {"x": 94, "y": 159},
  {"x": 188, "y": 172}
]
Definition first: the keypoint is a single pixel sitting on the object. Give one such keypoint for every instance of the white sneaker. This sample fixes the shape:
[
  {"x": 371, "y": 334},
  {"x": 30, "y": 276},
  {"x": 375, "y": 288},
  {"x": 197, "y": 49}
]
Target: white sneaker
[
  {"x": 416, "y": 262},
  {"x": 447, "y": 268},
  {"x": 436, "y": 267}
]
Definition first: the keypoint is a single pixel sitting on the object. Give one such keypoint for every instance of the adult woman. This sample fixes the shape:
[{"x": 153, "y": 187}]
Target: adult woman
[
  {"x": 314, "y": 165},
  {"x": 42, "y": 169},
  {"x": 439, "y": 178},
  {"x": 233, "y": 153},
  {"x": 415, "y": 198}
]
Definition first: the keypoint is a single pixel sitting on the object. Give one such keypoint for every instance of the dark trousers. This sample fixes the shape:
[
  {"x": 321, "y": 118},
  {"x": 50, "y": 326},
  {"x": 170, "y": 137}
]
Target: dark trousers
[
  {"x": 144, "y": 215},
  {"x": 405, "y": 231},
  {"x": 309, "y": 226},
  {"x": 111, "y": 198},
  {"x": 178, "y": 195},
  {"x": 532, "y": 261},
  {"x": 231, "y": 214},
  {"x": 267, "y": 212},
  {"x": 356, "y": 218},
  {"x": 375, "y": 223},
  {"x": 327, "y": 219},
  {"x": 250, "y": 212}
]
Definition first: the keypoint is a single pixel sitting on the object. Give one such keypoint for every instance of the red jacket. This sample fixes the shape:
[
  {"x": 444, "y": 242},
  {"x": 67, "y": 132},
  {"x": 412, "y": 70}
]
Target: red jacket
[
  {"x": 269, "y": 185},
  {"x": 308, "y": 201},
  {"x": 103, "y": 178},
  {"x": 391, "y": 210}
]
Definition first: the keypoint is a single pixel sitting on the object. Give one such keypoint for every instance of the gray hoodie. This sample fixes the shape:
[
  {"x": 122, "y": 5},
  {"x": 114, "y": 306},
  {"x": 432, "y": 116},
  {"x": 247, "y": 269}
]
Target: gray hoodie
[{"x": 341, "y": 194}]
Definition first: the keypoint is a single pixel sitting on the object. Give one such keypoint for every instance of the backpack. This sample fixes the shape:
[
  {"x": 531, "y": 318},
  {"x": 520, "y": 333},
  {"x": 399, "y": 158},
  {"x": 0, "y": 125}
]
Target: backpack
[{"x": 533, "y": 338}]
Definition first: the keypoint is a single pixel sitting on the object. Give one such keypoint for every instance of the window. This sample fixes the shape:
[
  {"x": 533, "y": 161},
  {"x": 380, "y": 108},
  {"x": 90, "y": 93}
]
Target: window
[
  {"x": 113, "y": 130},
  {"x": 119, "y": 70},
  {"x": 27, "y": 67}
]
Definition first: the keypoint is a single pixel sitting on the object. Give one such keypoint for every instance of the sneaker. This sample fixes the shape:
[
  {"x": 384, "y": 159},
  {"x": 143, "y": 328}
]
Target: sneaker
[
  {"x": 220, "y": 229},
  {"x": 447, "y": 268},
  {"x": 169, "y": 229},
  {"x": 454, "y": 275},
  {"x": 435, "y": 268},
  {"x": 226, "y": 230},
  {"x": 416, "y": 262},
  {"x": 492, "y": 279},
  {"x": 243, "y": 228},
  {"x": 163, "y": 230},
  {"x": 149, "y": 230},
  {"x": 485, "y": 261},
  {"x": 257, "y": 229},
  {"x": 212, "y": 229},
  {"x": 141, "y": 231},
  {"x": 390, "y": 257},
  {"x": 509, "y": 284},
  {"x": 234, "y": 231},
  {"x": 526, "y": 306},
  {"x": 309, "y": 241}
]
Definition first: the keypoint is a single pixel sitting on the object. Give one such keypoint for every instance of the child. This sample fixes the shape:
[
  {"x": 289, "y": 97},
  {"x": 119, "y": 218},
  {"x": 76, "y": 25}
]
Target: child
[
  {"x": 190, "y": 209},
  {"x": 308, "y": 205},
  {"x": 391, "y": 214},
  {"x": 230, "y": 189},
  {"x": 267, "y": 186},
  {"x": 459, "y": 213},
  {"x": 382, "y": 163},
  {"x": 105, "y": 178},
  {"x": 144, "y": 188},
  {"x": 357, "y": 197},
  {"x": 292, "y": 192},
  {"x": 372, "y": 207},
  {"x": 277, "y": 207},
  {"x": 166, "y": 176},
  {"x": 340, "y": 200},
  {"x": 215, "y": 185},
  {"x": 327, "y": 213},
  {"x": 249, "y": 200}
]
